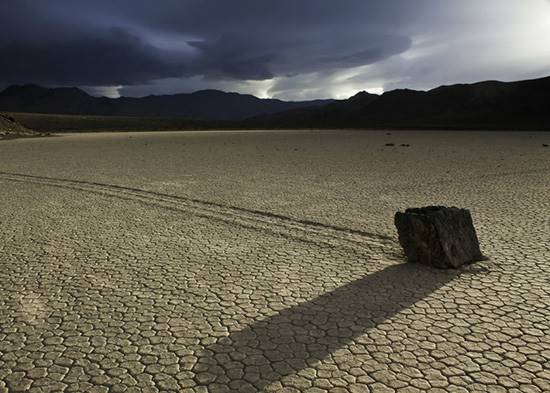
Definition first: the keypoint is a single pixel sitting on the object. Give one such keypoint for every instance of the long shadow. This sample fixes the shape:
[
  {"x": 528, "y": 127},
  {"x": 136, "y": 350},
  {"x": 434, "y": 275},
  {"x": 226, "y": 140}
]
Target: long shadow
[{"x": 297, "y": 337}]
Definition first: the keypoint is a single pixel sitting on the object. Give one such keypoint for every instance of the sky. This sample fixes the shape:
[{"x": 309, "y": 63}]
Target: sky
[{"x": 287, "y": 49}]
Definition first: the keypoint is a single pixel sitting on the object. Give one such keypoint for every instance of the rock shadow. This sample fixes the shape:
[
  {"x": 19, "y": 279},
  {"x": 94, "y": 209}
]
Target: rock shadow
[{"x": 297, "y": 337}]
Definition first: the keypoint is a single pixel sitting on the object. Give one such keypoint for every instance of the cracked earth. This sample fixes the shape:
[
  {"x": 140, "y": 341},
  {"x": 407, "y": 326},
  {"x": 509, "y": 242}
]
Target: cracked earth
[{"x": 249, "y": 261}]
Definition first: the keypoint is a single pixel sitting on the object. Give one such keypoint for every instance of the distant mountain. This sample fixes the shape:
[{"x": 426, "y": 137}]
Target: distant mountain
[
  {"x": 201, "y": 105},
  {"x": 483, "y": 105},
  {"x": 334, "y": 114}
]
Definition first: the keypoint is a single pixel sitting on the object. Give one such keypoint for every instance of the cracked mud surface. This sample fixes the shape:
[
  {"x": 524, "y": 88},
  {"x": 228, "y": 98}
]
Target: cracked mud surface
[{"x": 214, "y": 262}]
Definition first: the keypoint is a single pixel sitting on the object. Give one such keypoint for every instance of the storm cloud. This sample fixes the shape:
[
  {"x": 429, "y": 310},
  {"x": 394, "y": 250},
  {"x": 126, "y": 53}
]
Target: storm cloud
[{"x": 289, "y": 49}]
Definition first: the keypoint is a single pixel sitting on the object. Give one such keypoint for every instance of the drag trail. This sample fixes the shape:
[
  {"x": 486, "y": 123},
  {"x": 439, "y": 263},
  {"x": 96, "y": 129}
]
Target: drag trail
[{"x": 230, "y": 214}]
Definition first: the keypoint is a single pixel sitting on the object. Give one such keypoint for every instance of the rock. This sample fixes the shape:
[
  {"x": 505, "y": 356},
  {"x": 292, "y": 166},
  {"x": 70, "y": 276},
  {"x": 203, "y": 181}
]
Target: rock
[
  {"x": 439, "y": 236},
  {"x": 9, "y": 128},
  {"x": 390, "y": 144},
  {"x": 544, "y": 145}
]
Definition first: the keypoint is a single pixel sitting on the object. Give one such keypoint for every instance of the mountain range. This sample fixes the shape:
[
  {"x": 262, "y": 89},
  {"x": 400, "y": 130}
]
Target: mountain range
[
  {"x": 482, "y": 105},
  {"x": 200, "y": 105}
]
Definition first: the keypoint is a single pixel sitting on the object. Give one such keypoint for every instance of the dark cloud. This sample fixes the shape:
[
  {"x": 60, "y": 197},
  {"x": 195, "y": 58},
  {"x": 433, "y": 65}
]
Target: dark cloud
[
  {"x": 235, "y": 58},
  {"x": 239, "y": 57},
  {"x": 124, "y": 42},
  {"x": 155, "y": 46},
  {"x": 114, "y": 57}
]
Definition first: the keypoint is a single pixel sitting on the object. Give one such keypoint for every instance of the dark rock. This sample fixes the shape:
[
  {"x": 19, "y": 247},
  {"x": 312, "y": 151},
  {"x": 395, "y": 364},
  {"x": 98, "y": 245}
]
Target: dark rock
[
  {"x": 390, "y": 144},
  {"x": 439, "y": 236},
  {"x": 405, "y": 145},
  {"x": 545, "y": 145}
]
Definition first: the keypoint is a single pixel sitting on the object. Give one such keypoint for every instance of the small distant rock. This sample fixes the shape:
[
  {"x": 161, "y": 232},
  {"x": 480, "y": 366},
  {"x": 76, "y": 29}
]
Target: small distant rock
[
  {"x": 390, "y": 144},
  {"x": 545, "y": 145},
  {"x": 405, "y": 145},
  {"x": 10, "y": 128},
  {"x": 443, "y": 237}
]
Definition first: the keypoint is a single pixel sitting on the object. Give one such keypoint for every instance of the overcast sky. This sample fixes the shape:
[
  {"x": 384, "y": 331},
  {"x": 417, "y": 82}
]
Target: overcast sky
[{"x": 288, "y": 49}]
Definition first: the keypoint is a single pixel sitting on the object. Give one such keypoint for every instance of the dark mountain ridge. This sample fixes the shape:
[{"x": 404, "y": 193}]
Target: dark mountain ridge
[
  {"x": 200, "y": 105},
  {"x": 482, "y": 105}
]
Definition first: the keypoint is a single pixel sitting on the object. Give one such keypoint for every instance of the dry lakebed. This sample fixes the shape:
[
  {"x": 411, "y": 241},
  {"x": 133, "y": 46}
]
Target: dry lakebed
[{"x": 252, "y": 261}]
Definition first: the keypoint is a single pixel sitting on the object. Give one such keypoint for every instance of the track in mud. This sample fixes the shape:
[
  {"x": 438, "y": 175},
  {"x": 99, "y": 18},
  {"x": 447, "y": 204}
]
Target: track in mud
[{"x": 305, "y": 230}]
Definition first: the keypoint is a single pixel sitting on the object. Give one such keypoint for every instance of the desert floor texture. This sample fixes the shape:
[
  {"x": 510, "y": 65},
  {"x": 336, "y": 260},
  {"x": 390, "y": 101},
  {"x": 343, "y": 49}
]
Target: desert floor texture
[{"x": 268, "y": 261}]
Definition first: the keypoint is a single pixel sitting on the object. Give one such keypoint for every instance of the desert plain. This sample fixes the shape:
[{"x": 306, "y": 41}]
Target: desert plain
[{"x": 268, "y": 261}]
